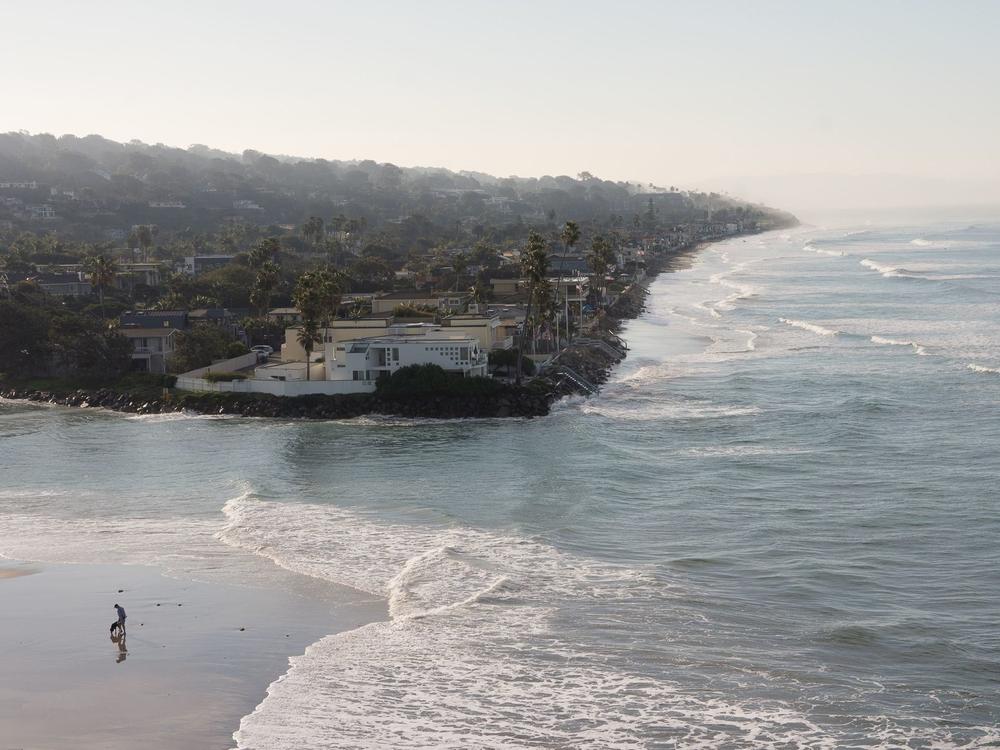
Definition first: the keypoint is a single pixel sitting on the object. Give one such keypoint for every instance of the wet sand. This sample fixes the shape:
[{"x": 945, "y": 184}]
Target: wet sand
[
  {"x": 15, "y": 571},
  {"x": 185, "y": 673}
]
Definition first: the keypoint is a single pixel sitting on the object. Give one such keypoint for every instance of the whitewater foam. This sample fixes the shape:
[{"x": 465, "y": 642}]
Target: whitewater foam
[
  {"x": 983, "y": 370},
  {"x": 917, "y": 348},
  {"x": 811, "y": 327},
  {"x": 475, "y": 656},
  {"x": 824, "y": 251},
  {"x": 886, "y": 271}
]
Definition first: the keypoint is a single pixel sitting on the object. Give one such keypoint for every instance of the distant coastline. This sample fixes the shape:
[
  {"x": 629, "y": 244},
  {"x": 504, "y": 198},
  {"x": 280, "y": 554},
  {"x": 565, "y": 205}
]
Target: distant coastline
[{"x": 579, "y": 369}]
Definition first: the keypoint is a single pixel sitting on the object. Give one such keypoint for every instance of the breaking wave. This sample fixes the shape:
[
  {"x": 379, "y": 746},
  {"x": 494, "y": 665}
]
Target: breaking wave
[
  {"x": 984, "y": 370},
  {"x": 924, "y": 272},
  {"x": 917, "y": 348},
  {"x": 887, "y": 271},
  {"x": 476, "y": 654},
  {"x": 811, "y": 327}
]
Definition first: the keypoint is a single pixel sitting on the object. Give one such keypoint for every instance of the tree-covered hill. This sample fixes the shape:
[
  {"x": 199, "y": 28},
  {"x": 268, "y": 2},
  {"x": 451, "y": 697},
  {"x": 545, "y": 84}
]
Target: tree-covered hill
[{"x": 93, "y": 189}]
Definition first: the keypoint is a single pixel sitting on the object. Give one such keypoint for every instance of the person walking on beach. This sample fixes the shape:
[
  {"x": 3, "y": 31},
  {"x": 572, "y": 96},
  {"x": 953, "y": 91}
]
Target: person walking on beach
[{"x": 121, "y": 618}]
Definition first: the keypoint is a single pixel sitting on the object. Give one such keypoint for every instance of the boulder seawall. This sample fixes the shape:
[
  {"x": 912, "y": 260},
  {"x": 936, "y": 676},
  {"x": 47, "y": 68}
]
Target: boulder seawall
[{"x": 509, "y": 402}]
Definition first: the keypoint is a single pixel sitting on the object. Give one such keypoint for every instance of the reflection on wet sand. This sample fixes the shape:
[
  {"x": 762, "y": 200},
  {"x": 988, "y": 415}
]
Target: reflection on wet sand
[
  {"x": 122, "y": 651},
  {"x": 15, "y": 572}
]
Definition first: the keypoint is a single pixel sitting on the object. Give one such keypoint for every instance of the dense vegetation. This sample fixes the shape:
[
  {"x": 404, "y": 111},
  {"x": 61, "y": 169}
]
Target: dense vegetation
[
  {"x": 39, "y": 338},
  {"x": 203, "y": 200},
  {"x": 432, "y": 380}
]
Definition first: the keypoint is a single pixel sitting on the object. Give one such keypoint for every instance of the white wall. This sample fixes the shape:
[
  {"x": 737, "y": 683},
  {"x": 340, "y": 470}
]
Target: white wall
[{"x": 276, "y": 387}]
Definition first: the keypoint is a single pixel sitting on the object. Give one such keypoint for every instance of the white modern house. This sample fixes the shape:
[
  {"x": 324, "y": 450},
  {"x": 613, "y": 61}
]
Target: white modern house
[
  {"x": 364, "y": 360},
  {"x": 354, "y": 365}
]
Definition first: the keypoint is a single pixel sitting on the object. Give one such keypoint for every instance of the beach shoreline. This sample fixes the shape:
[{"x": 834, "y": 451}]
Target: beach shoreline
[
  {"x": 196, "y": 659},
  {"x": 595, "y": 361}
]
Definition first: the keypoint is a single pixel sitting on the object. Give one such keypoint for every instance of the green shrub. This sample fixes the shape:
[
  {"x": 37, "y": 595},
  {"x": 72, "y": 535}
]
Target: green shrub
[
  {"x": 236, "y": 349},
  {"x": 508, "y": 358},
  {"x": 432, "y": 380}
]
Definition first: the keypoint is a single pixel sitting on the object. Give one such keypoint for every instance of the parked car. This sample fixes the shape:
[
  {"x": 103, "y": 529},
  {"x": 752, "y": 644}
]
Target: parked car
[{"x": 263, "y": 352}]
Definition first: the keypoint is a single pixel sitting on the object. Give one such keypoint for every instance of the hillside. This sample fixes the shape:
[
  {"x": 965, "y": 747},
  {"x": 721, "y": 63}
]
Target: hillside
[{"x": 96, "y": 190}]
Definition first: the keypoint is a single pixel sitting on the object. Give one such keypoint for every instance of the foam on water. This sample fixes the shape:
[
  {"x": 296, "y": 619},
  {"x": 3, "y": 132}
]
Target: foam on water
[
  {"x": 656, "y": 410},
  {"x": 824, "y": 251},
  {"x": 887, "y": 271},
  {"x": 811, "y": 327},
  {"x": 984, "y": 370},
  {"x": 473, "y": 656},
  {"x": 917, "y": 348},
  {"x": 925, "y": 271}
]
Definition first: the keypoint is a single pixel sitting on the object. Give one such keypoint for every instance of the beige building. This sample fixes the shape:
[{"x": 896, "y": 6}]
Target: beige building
[
  {"x": 338, "y": 330},
  {"x": 486, "y": 327}
]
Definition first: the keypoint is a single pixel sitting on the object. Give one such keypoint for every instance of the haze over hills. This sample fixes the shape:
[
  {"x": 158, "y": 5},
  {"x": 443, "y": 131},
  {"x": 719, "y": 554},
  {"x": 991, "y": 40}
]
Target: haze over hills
[
  {"x": 833, "y": 197},
  {"x": 91, "y": 188}
]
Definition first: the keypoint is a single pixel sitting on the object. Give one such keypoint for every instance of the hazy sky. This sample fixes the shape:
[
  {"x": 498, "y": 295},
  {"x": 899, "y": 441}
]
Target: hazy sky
[{"x": 689, "y": 93}]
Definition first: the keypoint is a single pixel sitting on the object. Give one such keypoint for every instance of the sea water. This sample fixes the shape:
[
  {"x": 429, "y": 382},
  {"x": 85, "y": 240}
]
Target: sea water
[{"x": 776, "y": 527}]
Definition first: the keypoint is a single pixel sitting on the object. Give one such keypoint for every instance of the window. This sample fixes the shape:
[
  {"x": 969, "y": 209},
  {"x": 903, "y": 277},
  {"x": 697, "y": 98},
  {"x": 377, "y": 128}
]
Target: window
[
  {"x": 358, "y": 374},
  {"x": 464, "y": 353}
]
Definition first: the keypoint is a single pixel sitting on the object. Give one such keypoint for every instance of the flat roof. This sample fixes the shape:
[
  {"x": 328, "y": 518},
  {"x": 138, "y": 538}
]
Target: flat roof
[
  {"x": 148, "y": 332},
  {"x": 411, "y": 294},
  {"x": 413, "y": 339}
]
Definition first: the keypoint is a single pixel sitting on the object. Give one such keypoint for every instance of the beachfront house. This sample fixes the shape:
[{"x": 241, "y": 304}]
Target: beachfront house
[
  {"x": 354, "y": 365},
  {"x": 338, "y": 330},
  {"x": 153, "y": 335},
  {"x": 364, "y": 360},
  {"x": 485, "y": 326}
]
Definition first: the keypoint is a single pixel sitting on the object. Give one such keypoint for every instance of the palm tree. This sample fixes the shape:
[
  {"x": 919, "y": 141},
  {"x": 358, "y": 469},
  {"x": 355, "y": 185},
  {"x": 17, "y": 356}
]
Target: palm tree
[
  {"x": 308, "y": 337},
  {"x": 600, "y": 258},
  {"x": 479, "y": 292},
  {"x": 260, "y": 294},
  {"x": 144, "y": 236},
  {"x": 459, "y": 263},
  {"x": 358, "y": 310},
  {"x": 535, "y": 266},
  {"x": 570, "y": 235},
  {"x": 546, "y": 309},
  {"x": 312, "y": 230},
  {"x": 264, "y": 251},
  {"x": 332, "y": 284},
  {"x": 101, "y": 270},
  {"x": 311, "y": 297}
]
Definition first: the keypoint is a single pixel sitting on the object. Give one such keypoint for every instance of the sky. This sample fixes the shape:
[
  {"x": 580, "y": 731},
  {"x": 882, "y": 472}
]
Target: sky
[{"x": 760, "y": 98}]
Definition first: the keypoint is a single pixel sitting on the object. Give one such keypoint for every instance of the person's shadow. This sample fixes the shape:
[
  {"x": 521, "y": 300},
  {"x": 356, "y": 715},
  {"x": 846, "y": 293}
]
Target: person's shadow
[{"x": 122, "y": 651}]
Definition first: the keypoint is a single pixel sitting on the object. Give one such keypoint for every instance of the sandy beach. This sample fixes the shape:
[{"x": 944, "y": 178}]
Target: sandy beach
[{"x": 196, "y": 658}]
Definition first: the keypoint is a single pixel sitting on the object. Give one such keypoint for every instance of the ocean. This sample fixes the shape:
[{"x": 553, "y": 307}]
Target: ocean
[{"x": 776, "y": 527}]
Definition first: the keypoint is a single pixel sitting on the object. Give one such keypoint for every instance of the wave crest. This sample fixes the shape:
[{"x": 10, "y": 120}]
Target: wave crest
[
  {"x": 917, "y": 348},
  {"x": 983, "y": 370},
  {"x": 811, "y": 327}
]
